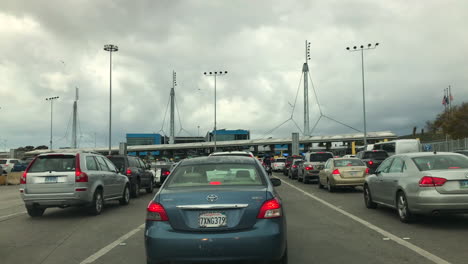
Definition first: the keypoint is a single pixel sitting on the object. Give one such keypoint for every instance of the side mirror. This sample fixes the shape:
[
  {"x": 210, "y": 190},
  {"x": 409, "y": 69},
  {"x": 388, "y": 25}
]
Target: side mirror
[{"x": 275, "y": 181}]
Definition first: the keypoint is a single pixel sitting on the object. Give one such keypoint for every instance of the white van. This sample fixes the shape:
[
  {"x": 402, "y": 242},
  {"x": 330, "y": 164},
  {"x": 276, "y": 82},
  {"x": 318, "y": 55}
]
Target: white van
[{"x": 399, "y": 146}]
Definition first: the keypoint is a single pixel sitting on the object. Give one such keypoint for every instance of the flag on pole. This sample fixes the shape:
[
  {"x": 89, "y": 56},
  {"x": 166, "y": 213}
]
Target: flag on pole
[
  {"x": 444, "y": 100},
  {"x": 451, "y": 97}
]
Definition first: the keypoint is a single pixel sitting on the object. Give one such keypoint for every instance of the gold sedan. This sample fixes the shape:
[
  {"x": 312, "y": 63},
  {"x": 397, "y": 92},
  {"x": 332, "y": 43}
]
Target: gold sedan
[{"x": 342, "y": 172}]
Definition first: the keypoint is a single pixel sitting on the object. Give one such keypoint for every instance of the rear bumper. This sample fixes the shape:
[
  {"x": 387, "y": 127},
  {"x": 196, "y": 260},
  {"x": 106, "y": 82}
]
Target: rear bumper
[
  {"x": 311, "y": 174},
  {"x": 265, "y": 241},
  {"x": 338, "y": 181},
  {"x": 430, "y": 201},
  {"x": 57, "y": 199}
]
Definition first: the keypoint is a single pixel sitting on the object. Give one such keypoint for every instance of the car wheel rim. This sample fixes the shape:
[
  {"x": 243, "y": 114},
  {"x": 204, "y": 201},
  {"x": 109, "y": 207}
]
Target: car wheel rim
[
  {"x": 328, "y": 185},
  {"x": 98, "y": 202},
  {"x": 402, "y": 209},
  {"x": 366, "y": 195},
  {"x": 127, "y": 195}
]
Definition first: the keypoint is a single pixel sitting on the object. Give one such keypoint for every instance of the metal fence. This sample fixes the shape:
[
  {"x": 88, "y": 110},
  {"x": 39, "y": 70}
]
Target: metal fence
[{"x": 449, "y": 145}]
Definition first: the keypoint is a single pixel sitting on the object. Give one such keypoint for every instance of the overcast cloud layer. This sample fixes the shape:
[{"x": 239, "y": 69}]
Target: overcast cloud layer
[{"x": 50, "y": 47}]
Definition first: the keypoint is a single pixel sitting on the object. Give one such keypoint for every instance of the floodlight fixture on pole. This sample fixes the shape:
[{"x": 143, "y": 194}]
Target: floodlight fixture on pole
[
  {"x": 51, "y": 99},
  {"x": 362, "y": 48},
  {"x": 110, "y": 48},
  {"x": 214, "y": 74}
]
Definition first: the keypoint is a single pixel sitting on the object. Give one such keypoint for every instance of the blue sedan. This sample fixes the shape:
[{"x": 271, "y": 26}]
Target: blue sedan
[{"x": 216, "y": 209}]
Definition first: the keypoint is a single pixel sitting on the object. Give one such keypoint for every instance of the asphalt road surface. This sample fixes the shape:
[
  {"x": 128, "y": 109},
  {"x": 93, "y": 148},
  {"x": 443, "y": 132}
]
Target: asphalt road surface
[{"x": 322, "y": 228}]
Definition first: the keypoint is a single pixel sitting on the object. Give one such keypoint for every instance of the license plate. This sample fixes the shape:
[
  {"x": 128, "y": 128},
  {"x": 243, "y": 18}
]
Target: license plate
[
  {"x": 50, "y": 180},
  {"x": 463, "y": 184},
  {"x": 212, "y": 219}
]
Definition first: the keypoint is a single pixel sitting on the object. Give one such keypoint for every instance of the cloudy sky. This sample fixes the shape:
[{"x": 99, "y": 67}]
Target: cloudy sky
[{"x": 50, "y": 47}]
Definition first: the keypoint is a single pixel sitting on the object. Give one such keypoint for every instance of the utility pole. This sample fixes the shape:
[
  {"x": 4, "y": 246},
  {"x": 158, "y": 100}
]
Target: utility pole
[
  {"x": 362, "y": 48},
  {"x": 110, "y": 48},
  {"x": 51, "y": 99},
  {"x": 75, "y": 115},
  {"x": 305, "y": 71},
  {"x": 172, "y": 129}
]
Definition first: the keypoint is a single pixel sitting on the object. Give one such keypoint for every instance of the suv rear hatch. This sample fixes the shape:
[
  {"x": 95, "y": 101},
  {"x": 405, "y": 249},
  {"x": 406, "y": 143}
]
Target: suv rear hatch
[{"x": 51, "y": 174}]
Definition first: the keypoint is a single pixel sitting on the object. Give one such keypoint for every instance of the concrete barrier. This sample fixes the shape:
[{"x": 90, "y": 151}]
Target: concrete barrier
[{"x": 13, "y": 178}]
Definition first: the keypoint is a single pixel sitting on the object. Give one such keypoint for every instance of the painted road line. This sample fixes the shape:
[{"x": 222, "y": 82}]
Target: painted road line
[
  {"x": 4, "y": 217},
  {"x": 384, "y": 233},
  {"x": 112, "y": 245}
]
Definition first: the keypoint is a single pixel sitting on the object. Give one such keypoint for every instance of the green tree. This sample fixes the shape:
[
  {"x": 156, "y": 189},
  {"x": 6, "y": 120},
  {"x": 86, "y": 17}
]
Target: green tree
[{"x": 453, "y": 123}]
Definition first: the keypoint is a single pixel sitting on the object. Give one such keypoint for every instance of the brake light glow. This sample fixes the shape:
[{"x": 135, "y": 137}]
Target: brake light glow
[
  {"x": 428, "y": 181},
  {"x": 79, "y": 175},
  {"x": 25, "y": 173},
  {"x": 367, "y": 170},
  {"x": 336, "y": 172},
  {"x": 294, "y": 166},
  {"x": 310, "y": 167},
  {"x": 370, "y": 162},
  {"x": 156, "y": 212},
  {"x": 215, "y": 183},
  {"x": 166, "y": 173},
  {"x": 270, "y": 209},
  {"x": 128, "y": 172}
]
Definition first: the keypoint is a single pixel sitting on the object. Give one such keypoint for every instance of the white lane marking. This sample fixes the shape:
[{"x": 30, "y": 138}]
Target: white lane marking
[
  {"x": 386, "y": 234},
  {"x": 6, "y": 216},
  {"x": 112, "y": 245}
]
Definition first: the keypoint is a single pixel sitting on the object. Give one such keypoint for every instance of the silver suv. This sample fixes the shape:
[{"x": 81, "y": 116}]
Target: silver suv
[{"x": 72, "y": 179}]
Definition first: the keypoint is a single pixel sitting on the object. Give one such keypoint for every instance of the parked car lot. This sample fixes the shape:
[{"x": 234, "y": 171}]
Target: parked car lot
[
  {"x": 72, "y": 179},
  {"x": 420, "y": 184},
  {"x": 215, "y": 209}
]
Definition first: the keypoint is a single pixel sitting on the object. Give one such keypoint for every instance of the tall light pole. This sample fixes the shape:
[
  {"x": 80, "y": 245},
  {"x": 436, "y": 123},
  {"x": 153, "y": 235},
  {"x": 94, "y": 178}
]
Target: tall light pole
[
  {"x": 362, "y": 48},
  {"x": 51, "y": 99},
  {"x": 214, "y": 74},
  {"x": 110, "y": 48}
]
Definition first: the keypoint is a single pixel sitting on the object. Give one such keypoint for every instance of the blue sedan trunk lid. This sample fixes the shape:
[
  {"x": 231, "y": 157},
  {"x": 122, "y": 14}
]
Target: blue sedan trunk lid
[{"x": 240, "y": 205}]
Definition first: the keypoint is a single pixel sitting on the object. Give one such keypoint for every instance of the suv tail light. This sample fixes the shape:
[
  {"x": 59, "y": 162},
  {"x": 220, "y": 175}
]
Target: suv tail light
[
  {"x": 25, "y": 173},
  {"x": 270, "y": 209},
  {"x": 370, "y": 162},
  {"x": 156, "y": 212},
  {"x": 79, "y": 175},
  {"x": 367, "y": 170},
  {"x": 428, "y": 181},
  {"x": 336, "y": 172},
  {"x": 310, "y": 167},
  {"x": 166, "y": 173},
  {"x": 128, "y": 172}
]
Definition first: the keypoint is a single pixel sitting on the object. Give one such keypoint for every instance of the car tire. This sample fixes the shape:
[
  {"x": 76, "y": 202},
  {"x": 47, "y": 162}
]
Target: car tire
[
  {"x": 305, "y": 180},
  {"x": 125, "y": 200},
  {"x": 35, "y": 211},
  {"x": 330, "y": 188},
  {"x": 404, "y": 213},
  {"x": 151, "y": 188},
  {"x": 135, "y": 189},
  {"x": 319, "y": 184},
  {"x": 368, "y": 198},
  {"x": 299, "y": 179},
  {"x": 97, "y": 204}
]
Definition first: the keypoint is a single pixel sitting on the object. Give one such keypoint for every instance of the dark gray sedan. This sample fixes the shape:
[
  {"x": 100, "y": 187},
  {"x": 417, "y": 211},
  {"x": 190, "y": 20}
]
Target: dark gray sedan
[
  {"x": 420, "y": 183},
  {"x": 216, "y": 209}
]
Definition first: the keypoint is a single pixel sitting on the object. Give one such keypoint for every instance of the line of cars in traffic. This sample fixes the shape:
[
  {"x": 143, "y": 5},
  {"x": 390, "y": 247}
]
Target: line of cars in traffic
[
  {"x": 215, "y": 208},
  {"x": 414, "y": 183}
]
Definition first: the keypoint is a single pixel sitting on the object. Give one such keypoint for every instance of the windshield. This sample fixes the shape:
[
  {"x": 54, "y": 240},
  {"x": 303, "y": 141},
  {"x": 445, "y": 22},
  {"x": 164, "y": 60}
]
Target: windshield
[
  {"x": 53, "y": 163},
  {"x": 119, "y": 162},
  {"x": 3, "y": 161},
  {"x": 441, "y": 162},
  {"x": 215, "y": 175},
  {"x": 320, "y": 157}
]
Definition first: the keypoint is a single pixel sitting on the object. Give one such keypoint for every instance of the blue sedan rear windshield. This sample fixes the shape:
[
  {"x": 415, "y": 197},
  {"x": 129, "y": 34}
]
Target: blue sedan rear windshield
[
  {"x": 441, "y": 162},
  {"x": 215, "y": 175}
]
